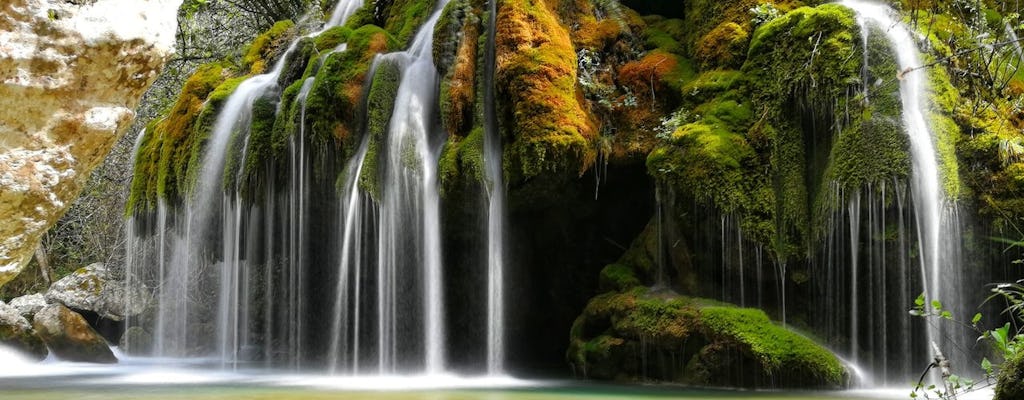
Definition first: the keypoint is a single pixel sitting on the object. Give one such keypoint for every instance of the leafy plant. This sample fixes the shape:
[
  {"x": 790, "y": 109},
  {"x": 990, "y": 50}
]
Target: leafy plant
[{"x": 1007, "y": 340}]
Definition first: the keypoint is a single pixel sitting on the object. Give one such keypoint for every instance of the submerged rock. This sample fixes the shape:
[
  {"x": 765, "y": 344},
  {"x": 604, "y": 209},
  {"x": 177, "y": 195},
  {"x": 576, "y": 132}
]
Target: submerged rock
[
  {"x": 641, "y": 336},
  {"x": 91, "y": 289},
  {"x": 70, "y": 337},
  {"x": 72, "y": 73},
  {"x": 16, "y": 332},
  {"x": 28, "y": 305}
]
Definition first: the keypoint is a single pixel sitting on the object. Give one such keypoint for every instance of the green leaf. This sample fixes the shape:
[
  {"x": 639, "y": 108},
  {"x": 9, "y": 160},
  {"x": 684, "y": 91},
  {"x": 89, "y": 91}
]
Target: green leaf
[
  {"x": 976, "y": 319},
  {"x": 936, "y": 304},
  {"x": 946, "y": 315},
  {"x": 920, "y": 300},
  {"x": 986, "y": 365}
]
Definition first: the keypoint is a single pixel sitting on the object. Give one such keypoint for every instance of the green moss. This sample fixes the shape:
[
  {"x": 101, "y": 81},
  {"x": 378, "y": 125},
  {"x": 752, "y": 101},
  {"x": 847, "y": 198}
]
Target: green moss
[
  {"x": 617, "y": 328},
  {"x": 665, "y": 34},
  {"x": 380, "y": 105},
  {"x": 618, "y": 277},
  {"x": 462, "y": 161},
  {"x": 163, "y": 161},
  {"x": 404, "y": 17},
  {"x": 258, "y": 54},
  {"x": 1010, "y": 381},
  {"x": 724, "y": 46},
  {"x": 331, "y": 38},
  {"x": 776, "y": 347}
]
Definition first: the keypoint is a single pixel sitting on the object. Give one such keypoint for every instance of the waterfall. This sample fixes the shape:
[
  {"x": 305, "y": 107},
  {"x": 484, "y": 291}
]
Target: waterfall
[
  {"x": 934, "y": 217},
  {"x": 222, "y": 269},
  {"x": 495, "y": 210},
  {"x": 405, "y": 261}
]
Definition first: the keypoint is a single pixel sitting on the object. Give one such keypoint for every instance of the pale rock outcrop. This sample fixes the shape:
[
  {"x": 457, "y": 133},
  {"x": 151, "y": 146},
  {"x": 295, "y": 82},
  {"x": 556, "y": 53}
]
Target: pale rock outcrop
[
  {"x": 29, "y": 304},
  {"x": 70, "y": 337},
  {"x": 92, "y": 289},
  {"x": 71, "y": 72}
]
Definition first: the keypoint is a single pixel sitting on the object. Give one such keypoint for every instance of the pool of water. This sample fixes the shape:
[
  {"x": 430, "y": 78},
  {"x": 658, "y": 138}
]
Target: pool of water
[{"x": 156, "y": 379}]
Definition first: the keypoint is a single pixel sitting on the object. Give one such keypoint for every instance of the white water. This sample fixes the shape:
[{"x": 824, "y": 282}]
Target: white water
[
  {"x": 936, "y": 221},
  {"x": 406, "y": 258},
  {"x": 185, "y": 299},
  {"x": 495, "y": 213}
]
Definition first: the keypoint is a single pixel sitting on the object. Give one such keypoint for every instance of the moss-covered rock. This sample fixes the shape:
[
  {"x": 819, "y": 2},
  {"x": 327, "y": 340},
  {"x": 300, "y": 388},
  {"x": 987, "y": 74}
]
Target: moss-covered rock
[
  {"x": 646, "y": 335},
  {"x": 1010, "y": 381},
  {"x": 536, "y": 76}
]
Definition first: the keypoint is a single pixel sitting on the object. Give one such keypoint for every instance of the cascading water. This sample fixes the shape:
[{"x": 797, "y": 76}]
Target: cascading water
[
  {"x": 935, "y": 218},
  {"x": 406, "y": 259},
  {"x": 193, "y": 316},
  {"x": 495, "y": 211}
]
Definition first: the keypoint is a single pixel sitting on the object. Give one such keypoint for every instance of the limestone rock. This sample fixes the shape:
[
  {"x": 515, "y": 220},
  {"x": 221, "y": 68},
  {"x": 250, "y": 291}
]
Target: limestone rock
[
  {"x": 70, "y": 337},
  {"x": 28, "y": 305},
  {"x": 70, "y": 75},
  {"x": 16, "y": 332},
  {"x": 91, "y": 289}
]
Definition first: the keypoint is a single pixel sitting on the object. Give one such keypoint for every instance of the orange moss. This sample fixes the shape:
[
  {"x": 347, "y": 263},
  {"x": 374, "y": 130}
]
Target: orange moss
[
  {"x": 460, "y": 93},
  {"x": 536, "y": 74}
]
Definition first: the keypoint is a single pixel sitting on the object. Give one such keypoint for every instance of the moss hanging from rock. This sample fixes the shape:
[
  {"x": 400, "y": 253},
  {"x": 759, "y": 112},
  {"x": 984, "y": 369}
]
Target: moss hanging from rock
[{"x": 536, "y": 74}]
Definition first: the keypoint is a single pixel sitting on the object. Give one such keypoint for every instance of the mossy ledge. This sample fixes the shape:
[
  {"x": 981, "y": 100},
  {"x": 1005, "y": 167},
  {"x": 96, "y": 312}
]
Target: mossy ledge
[{"x": 648, "y": 335}]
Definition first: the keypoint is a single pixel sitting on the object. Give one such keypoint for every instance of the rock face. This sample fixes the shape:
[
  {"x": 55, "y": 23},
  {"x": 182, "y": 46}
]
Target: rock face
[
  {"x": 70, "y": 337},
  {"x": 16, "y": 332},
  {"x": 29, "y": 305},
  {"x": 71, "y": 72},
  {"x": 91, "y": 289}
]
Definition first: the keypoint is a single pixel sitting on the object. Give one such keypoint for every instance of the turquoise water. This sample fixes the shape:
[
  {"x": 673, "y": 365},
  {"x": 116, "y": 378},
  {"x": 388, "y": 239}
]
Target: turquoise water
[
  {"x": 152, "y": 382},
  {"x": 170, "y": 379}
]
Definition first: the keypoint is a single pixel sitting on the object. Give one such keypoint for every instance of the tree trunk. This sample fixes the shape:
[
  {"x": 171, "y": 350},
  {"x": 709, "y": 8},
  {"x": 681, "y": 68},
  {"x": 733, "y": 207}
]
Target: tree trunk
[{"x": 44, "y": 264}]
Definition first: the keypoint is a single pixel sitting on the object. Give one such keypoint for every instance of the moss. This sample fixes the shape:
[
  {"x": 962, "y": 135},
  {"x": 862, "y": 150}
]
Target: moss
[
  {"x": 536, "y": 75},
  {"x": 457, "y": 45},
  {"x": 404, "y": 17},
  {"x": 693, "y": 333},
  {"x": 334, "y": 98},
  {"x": 777, "y": 348},
  {"x": 618, "y": 277},
  {"x": 1010, "y": 380},
  {"x": 725, "y": 46},
  {"x": 665, "y": 34},
  {"x": 703, "y": 16},
  {"x": 331, "y": 38},
  {"x": 462, "y": 161},
  {"x": 163, "y": 161},
  {"x": 380, "y": 105},
  {"x": 258, "y": 55}
]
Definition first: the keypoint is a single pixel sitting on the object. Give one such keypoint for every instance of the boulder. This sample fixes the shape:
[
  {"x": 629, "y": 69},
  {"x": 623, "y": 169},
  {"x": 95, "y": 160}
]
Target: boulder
[
  {"x": 16, "y": 332},
  {"x": 71, "y": 73},
  {"x": 70, "y": 337},
  {"x": 640, "y": 335},
  {"x": 91, "y": 289},
  {"x": 28, "y": 305}
]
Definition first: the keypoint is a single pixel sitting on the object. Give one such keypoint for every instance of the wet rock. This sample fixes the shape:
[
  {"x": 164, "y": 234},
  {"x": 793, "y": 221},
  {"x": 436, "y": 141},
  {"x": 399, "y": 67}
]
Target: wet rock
[
  {"x": 70, "y": 337},
  {"x": 28, "y": 305},
  {"x": 91, "y": 289},
  {"x": 72, "y": 73},
  {"x": 16, "y": 332}
]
